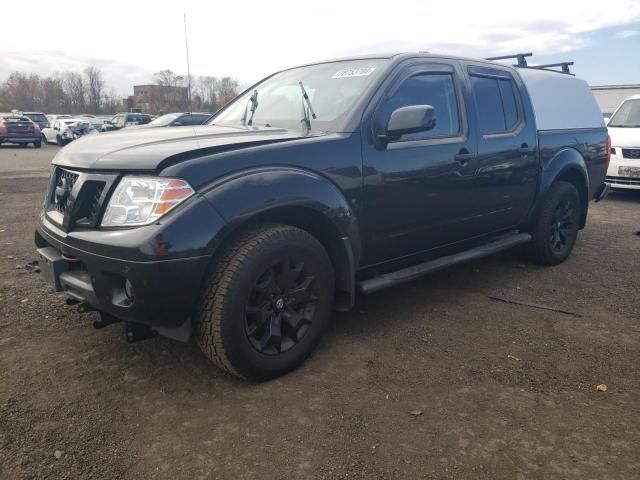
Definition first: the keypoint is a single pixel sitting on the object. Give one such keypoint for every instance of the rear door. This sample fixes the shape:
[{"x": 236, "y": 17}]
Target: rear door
[{"x": 506, "y": 162}]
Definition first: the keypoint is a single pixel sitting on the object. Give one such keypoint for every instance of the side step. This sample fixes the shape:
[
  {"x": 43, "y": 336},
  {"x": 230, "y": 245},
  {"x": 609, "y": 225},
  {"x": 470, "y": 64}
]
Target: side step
[{"x": 406, "y": 274}]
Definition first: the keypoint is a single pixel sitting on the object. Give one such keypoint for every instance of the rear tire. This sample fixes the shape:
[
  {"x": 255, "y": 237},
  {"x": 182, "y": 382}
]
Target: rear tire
[
  {"x": 266, "y": 302},
  {"x": 556, "y": 228}
]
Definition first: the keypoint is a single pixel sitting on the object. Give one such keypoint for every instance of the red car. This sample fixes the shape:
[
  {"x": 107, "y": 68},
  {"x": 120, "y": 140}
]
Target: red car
[{"x": 19, "y": 129}]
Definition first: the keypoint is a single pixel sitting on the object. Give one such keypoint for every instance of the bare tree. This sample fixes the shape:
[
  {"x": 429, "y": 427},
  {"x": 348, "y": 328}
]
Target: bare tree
[
  {"x": 21, "y": 91},
  {"x": 53, "y": 96},
  {"x": 94, "y": 87},
  {"x": 74, "y": 88},
  {"x": 112, "y": 102},
  {"x": 227, "y": 90},
  {"x": 207, "y": 90},
  {"x": 167, "y": 78}
]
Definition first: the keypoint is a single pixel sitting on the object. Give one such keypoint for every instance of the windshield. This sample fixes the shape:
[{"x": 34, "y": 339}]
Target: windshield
[
  {"x": 332, "y": 88},
  {"x": 628, "y": 115},
  {"x": 37, "y": 117},
  {"x": 165, "y": 119}
]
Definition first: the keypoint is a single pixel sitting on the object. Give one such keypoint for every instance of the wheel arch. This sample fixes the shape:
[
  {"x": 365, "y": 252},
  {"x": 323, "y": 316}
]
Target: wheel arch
[
  {"x": 299, "y": 198},
  {"x": 567, "y": 165}
]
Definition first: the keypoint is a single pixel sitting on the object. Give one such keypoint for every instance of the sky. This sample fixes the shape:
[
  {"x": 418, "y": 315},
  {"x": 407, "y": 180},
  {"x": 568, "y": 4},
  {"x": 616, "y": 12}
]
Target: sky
[{"x": 130, "y": 40}]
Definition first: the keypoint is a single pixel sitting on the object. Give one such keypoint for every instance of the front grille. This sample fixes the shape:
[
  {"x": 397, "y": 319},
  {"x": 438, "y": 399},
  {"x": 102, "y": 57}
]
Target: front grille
[
  {"x": 633, "y": 153},
  {"x": 76, "y": 199},
  {"x": 623, "y": 180},
  {"x": 62, "y": 186},
  {"x": 88, "y": 203}
]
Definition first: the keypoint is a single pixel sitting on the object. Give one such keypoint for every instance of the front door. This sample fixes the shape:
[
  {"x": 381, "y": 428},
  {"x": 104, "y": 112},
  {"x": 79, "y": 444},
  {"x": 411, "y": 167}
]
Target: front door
[{"x": 415, "y": 187}]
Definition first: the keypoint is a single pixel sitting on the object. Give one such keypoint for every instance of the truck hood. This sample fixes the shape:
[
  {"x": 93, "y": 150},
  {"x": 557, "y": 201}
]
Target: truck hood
[
  {"x": 151, "y": 149},
  {"x": 625, "y": 137}
]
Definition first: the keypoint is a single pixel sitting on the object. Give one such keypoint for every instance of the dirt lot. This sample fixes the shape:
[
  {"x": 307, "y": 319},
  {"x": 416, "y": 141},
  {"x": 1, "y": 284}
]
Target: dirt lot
[{"x": 506, "y": 391}]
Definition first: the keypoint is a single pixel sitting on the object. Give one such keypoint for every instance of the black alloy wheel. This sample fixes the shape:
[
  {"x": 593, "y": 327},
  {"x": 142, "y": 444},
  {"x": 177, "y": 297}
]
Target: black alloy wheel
[
  {"x": 266, "y": 302},
  {"x": 555, "y": 230},
  {"x": 281, "y": 306},
  {"x": 563, "y": 231}
]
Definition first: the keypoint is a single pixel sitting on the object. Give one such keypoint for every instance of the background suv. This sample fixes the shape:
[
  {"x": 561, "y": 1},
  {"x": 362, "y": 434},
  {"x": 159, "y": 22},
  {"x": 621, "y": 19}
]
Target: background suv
[
  {"x": 122, "y": 120},
  {"x": 19, "y": 129}
]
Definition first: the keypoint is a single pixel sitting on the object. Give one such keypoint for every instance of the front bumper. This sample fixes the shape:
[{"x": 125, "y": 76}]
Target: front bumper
[
  {"x": 149, "y": 275},
  {"x": 622, "y": 181}
]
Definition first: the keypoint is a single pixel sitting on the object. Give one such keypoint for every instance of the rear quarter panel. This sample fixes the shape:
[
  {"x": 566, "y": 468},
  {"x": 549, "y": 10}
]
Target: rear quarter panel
[{"x": 555, "y": 155}]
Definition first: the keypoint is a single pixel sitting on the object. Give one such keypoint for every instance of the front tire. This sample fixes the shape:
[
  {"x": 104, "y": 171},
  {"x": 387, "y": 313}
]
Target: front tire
[
  {"x": 267, "y": 302},
  {"x": 37, "y": 144},
  {"x": 556, "y": 229}
]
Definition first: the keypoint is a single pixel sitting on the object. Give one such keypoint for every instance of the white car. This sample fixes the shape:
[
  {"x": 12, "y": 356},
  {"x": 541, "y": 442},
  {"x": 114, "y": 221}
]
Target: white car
[
  {"x": 65, "y": 130},
  {"x": 624, "y": 130}
]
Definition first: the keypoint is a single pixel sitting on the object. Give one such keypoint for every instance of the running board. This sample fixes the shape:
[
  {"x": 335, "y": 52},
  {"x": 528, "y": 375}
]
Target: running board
[{"x": 406, "y": 274}]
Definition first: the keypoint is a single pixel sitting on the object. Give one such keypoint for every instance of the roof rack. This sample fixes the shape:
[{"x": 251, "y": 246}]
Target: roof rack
[
  {"x": 563, "y": 65},
  {"x": 522, "y": 63}
]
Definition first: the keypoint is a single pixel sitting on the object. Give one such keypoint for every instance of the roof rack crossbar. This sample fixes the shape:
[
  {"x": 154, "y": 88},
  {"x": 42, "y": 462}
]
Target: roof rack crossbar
[
  {"x": 522, "y": 61},
  {"x": 563, "y": 65}
]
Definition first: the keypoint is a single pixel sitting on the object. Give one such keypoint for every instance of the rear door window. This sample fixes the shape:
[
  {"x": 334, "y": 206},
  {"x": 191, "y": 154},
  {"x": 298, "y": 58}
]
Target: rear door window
[{"x": 496, "y": 103}]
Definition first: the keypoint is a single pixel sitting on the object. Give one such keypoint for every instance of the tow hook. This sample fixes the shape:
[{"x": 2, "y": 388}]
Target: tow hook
[
  {"x": 105, "y": 321},
  {"x": 84, "y": 308},
  {"x": 136, "y": 332}
]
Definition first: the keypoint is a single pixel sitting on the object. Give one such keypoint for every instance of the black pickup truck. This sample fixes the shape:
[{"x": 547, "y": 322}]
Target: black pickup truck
[{"x": 315, "y": 183}]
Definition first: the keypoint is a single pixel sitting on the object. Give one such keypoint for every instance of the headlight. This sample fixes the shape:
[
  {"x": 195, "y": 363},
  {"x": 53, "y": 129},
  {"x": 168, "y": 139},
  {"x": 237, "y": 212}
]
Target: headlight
[{"x": 143, "y": 200}]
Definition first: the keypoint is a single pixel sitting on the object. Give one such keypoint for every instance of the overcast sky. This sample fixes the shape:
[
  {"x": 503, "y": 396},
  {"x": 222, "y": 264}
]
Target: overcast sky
[{"x": 249, "y": 39}]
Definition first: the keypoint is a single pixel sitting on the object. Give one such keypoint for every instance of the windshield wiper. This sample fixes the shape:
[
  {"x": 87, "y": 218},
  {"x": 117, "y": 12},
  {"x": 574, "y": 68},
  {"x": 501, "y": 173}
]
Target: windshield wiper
[
  {"x": 305, "y": 111},
  {"x": 254, "y": 106}
]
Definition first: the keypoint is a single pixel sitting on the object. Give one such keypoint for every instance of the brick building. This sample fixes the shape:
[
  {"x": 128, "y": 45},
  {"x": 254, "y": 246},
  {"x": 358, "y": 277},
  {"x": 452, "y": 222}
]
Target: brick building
[{"x": 155, "y": 99}]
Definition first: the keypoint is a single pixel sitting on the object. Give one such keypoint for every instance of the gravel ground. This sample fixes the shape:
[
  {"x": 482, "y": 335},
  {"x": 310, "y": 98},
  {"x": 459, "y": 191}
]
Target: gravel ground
[{"x": 497, "y": 390}]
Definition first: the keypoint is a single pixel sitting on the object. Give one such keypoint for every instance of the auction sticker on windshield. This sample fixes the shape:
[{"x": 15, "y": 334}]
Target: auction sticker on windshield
[{"x": 354, "y": 72}]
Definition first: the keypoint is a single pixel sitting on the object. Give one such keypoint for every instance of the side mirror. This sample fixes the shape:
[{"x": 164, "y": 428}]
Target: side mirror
[
  {"x": 606, "y": 120},
  {"x": 176, "y": 124},
  {"x": 410, "y": 119}
]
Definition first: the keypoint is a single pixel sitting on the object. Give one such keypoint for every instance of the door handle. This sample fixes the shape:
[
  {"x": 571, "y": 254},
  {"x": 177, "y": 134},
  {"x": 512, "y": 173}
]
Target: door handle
[
  {"x": 524, "y": 149},
  {"x": 463, "y": 156}
]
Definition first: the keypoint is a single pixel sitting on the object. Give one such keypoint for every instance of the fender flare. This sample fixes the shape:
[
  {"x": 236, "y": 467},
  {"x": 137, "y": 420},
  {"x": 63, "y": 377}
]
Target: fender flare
[
  {"x": 566, "y": 163},
  {"x": 565, "y": 160},
  {"x": 249, "y": 194}
]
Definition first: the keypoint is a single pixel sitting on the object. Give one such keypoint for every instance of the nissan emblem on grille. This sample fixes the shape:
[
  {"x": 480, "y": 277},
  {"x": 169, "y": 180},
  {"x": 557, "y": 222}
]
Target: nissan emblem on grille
[{"x": 62, "y": 191}]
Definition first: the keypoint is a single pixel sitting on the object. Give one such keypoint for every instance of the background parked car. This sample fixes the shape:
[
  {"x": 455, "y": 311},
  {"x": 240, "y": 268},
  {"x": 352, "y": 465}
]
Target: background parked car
[
  {"x": 53, "y": 117},
  {"x": 38, "y": 118},
  {"x": 66, "y": 130},
  {"x": 122, "y": 120},
  {"x": 179, "y": 119},
  {"x": 624, "y": 129},
  {"x": 94, "y": 120},
  {"x": 19, "y": 129}
]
